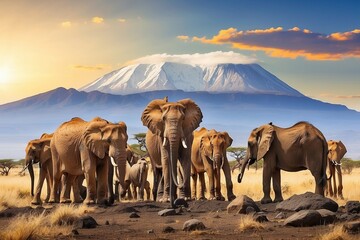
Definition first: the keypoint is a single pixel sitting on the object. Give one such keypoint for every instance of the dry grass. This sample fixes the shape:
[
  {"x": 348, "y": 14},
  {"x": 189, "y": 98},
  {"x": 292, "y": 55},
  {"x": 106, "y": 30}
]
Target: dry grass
[
  {"x": 336, "y": 234},
  {"x": 248, "y": 223}
]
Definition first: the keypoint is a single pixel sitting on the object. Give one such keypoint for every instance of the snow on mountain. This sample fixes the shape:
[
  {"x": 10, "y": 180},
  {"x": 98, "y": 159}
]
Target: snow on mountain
[{"x": 248, "y": 78}]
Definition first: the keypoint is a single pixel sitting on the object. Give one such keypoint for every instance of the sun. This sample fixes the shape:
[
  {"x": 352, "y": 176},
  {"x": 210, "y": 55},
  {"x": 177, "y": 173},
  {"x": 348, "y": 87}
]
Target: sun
[{"x": 4, "y": 74}]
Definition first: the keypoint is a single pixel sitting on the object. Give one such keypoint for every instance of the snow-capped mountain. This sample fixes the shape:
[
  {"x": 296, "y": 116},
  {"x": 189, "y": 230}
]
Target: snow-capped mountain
[{"x": 246, "y": 78}]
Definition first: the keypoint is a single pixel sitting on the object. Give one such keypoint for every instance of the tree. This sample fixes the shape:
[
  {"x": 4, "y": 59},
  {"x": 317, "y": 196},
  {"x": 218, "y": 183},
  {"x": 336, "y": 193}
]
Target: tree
[
  {"x": 238, "y": 153},
  {"x": 140, "y": 137},
  {"x": 5, "y": 166}
]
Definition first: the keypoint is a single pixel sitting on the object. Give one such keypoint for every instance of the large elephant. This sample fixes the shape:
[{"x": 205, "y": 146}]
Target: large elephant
[
  {"x": 79, "y": 147},
  {"x": 337, "y": 151},
  {"x": 168, "y": 140},
  {"x": 38, "y": 151},
  {"x": 292, "y": 149},
  {"x": 208, "y": 154}
]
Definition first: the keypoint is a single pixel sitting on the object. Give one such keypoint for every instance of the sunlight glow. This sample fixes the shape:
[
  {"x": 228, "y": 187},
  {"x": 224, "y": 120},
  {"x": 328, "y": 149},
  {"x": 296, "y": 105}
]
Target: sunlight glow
[{"x": 4, "y": 74}]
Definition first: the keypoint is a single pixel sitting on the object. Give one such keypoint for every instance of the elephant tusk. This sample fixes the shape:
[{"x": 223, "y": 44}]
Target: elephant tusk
[
  {"x": 113, "y": 162},
  {"x": 222, "y": 163},
  {"x": 27, "y": 165},
  {"x": 183, "y": 143},
  {"x": 164, "y": 142}
]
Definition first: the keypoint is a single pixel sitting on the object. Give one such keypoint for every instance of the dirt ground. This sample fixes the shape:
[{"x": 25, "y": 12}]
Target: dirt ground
[{"x": 115, "y": 223}]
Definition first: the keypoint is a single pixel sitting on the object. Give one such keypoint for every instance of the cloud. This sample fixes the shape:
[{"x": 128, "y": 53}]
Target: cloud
[
  {"x": 292, "y": 43},
  {"x": 340, "y": 96},
  {"x": 66, "y": 24},
  {"x": 121, "y": 20},
  {"x": 92, "y": 68},
  {"x": 97, "y": 20},
  {"x": 196, "y": 58},
  {"x": 183, "y": 38}
]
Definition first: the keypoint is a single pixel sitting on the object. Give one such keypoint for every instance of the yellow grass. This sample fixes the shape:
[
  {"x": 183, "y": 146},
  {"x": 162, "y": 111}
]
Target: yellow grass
[
  {"x": 57, "y": 222},
  {"x": 336, "y": 234},
  {"x": 247, "y": 223}
]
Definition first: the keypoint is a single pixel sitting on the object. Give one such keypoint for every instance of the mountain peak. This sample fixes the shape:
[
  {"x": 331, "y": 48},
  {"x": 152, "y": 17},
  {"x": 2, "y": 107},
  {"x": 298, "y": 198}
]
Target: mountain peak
[{"x": 224, "y": 77}]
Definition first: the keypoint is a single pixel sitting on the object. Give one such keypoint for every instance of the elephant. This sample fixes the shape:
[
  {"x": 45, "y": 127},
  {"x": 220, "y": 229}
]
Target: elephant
[
  {"x": 337, "y": 151},
  {"x": 80, "y": 147},
  {"x": 292, "y": 149},
  {"x": 168, "y": 140},
  {"x": 136, "y": 175},
  {"x": 38, "y": 151},
  {"x": 208, "y": 154}
]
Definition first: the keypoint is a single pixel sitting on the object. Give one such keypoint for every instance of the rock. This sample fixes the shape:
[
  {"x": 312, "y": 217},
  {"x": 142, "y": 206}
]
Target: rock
[
  {"x": 107, "y": 222},
  {"x": 150, "y": 231},
  {"x": 75, "y": 232},
  {"x": 352, "y": 227},
  {"x": 181, "y": 202},
  {"x": 240, "y": 205},
  {"x": 304, "y": 218},
  {"x": 250, "y": 210},
  {"x": 352, "y": 207},
  {"x": 168, "y": 229},
  {"x": 167, "y": 212},
  {"x": 327, "y": 216},
  {"x": 193, "y": 224},
  {"x": 260, "y": 217},
  {"x": 134, "y": 215},
  {"x": 280, "y": 215},
  {"x": 85, "y": 222},
  {"x": 309, "y": 201},
  {"x": 348, "y": 217}
]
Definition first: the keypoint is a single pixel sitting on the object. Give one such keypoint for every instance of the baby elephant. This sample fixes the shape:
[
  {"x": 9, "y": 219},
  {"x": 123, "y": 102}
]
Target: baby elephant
[{"x": 137, "y": 176}]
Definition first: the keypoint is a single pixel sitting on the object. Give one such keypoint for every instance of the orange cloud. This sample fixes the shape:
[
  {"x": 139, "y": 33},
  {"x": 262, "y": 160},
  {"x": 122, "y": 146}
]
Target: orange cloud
[
  {"x": 183, "y": 38},
  {"x": 97, "y": 20},
  {"x": 292, "y": 43}
]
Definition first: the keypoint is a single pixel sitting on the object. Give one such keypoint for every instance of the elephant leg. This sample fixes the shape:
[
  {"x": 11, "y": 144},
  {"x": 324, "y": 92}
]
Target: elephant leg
[
  {"x": 330, "y": 188},
  {"x": 91, "y": 186},
  {"x": 116, "y": 193},
  {"x": 77, "y": 189},
  {"x": 217, "y": 176},
  {"x": 267, "y": 172},
  {"x": 210, "y": 174},
  {"x": 202, "y": 186},
  {"x": 156, "y": 182},
  {"x": 67, "y": 181},
  {"x": 340, "y": 187},
  {"x": 229, "y": 184},
  {"x": 319, "y": 188},
  {"x": 160, "y": 191},
  {"x": 134, "y": 191},
  {"x": 48, "y": 180},
  {"x": 194, "y": 177},
  {"x": 56, "y": 178},
  {"x": 36, "y": 200},
  {"x": 277, "y": 185},
  {"x": 111, "y": 195},
  {"x": 185, "y": 192},
  {"x": 166, "y": 175},
  {"x": 334, "y": 184},
  {"x": 102, "y": 183},
  {"x": 147, "y": 189}
]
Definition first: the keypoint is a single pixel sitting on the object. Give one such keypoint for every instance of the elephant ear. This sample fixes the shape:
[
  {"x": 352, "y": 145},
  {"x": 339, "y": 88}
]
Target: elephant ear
[
  {"x": 193, "y": 116},
  {"x": 341, "y": 150},
  {"x": 205, "y": 145},
  {"x": 228, "y": 139},
  {"x": 152, "y": 116},
  {"x": 94, "y": 140},
  {"x": 265, "y": 138}
]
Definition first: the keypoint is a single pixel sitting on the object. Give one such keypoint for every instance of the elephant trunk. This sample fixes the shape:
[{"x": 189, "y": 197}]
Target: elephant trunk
[
  {"x": 141, "y": 174},
  {"x": 244, "y": 163},
  {"x": 31, "y": 172}
]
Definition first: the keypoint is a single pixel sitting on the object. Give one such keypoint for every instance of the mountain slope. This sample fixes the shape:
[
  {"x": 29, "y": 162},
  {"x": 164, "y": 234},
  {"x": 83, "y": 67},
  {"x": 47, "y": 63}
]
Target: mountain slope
[
  {"x": 237, "y": 113},
  {"x": 246, "y": 78}
]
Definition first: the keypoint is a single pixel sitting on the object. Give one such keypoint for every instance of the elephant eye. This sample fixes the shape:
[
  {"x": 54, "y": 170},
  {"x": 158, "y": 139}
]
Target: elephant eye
[{"x": 109, "y": 140}]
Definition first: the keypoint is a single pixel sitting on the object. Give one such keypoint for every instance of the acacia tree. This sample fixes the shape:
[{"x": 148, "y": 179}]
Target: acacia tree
[
  {"x": 140, "y": 137},
  {"x": 5, "y": 166},
  {"x": 238, "y": 153}
]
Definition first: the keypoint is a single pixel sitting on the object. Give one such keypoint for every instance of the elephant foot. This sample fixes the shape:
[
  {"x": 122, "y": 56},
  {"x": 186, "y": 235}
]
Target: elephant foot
[
  {"x": 111, "y": 200},
  {"x": 52, "y": 201},
  {"x": 202, "y": 198},
  {"x": 266, "y": 200},
  {"x": 103, "y": 202},
  {"x": 341, "y": 197},
  {"x": 89, "y": 201},
  {"x": 231, "y": 197},
  {"x": 65, "y": 201},
  {"x": 279, "y": 199},
  {"x": 78, "y": 200},
  {"x": 36, "y": 202},
  {"x": 220, "y": 198}
]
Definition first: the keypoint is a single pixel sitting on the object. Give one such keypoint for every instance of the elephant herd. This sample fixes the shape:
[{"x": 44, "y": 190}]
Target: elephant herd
[{"x": 97, "y": 151}]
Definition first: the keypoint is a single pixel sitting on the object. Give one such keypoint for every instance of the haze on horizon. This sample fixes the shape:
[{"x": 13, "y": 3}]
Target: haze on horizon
[{"x": 312, "y": 46}]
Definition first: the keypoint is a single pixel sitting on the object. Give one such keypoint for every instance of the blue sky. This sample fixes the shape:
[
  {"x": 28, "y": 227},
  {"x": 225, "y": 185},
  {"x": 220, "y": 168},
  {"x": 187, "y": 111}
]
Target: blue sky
[{"x": 314, "y": 46}]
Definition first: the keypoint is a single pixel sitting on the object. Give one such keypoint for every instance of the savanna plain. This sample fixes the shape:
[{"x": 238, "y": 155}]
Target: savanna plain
[{"x": 56, "y": 221}]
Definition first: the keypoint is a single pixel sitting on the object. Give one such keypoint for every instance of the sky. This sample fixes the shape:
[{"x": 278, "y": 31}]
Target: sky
[{"x": 314, "y": 46}]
